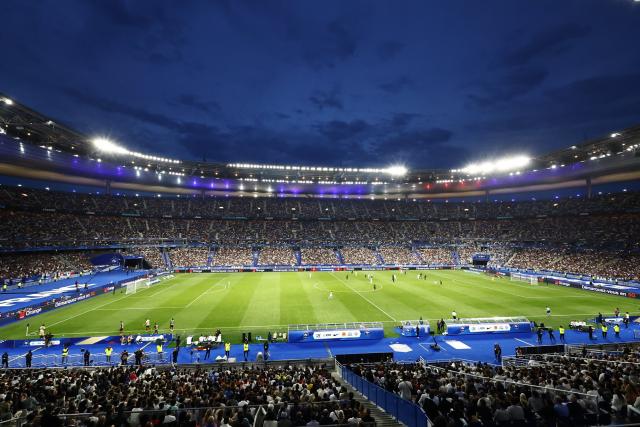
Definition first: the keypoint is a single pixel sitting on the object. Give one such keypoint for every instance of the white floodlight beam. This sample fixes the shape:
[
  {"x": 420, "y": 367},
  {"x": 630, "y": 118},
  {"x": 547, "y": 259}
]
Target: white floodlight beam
[{"x": 396, "y": 170}]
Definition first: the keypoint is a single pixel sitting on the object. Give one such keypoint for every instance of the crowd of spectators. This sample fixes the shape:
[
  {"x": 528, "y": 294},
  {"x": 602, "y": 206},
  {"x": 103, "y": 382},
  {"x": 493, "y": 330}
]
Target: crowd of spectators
[
  {"x": 436, "y": 256},
  {"x": 550, "y": 390},
  {"x": 317, "y": 256},
  {"x": 30, "y": 229},
  {"x": 276, "y": 256},
  {"x": 397, "y": 255},
  {"x": 359, "y": 255},
  {"x": 600, "y": 236},
  {"x": 152, "y": 255},
  {"x": 189, "y": 257},
  {"x": 598, "y": 264},
  {"x": 230, "y": 256},
  {"x": 46, "y": 265},
  {"x": 311, "y": 208},
  {"x": 603, "y": 264},
  {"x": 145, "y": 396},
  {"x": 465, "y": 254}
]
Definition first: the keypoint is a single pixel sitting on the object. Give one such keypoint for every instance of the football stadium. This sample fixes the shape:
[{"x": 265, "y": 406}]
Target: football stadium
[{"x": 224, "y": 263}]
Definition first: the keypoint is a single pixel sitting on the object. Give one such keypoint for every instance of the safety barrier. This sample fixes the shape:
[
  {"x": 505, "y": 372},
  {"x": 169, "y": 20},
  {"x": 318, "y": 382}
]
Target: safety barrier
[
  {"x": 95, "y": 359},
  {"x": 403, "y": 410}
]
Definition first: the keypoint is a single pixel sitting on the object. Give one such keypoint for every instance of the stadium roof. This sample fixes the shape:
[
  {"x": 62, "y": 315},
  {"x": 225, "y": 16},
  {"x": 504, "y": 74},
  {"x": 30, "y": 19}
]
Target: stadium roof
[{"x": 36, "y": 146}]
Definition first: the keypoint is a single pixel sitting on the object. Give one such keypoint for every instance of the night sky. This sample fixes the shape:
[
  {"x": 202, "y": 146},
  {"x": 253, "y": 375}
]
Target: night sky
[{"x": 371, "y": 83}]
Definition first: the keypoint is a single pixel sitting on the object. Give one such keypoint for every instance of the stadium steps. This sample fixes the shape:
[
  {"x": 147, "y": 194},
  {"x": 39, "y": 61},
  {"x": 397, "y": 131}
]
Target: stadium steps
[
  {"x": 382, "y": 418},
  {"x": 513, "y": 255}
]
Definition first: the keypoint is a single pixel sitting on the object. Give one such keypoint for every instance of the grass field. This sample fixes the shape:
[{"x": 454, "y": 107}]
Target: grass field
[{"x": 261, "y": 302}]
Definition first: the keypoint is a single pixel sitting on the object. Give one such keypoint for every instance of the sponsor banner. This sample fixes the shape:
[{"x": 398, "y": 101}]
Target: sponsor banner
[
  {"x": 608, "y": 290},
  {"x": 337, "y": 334},
  {"x": 604, "y": 288},
  {"x": 50, "y": 304},
  {"x": 75, "y": 299},
  {"x": 490, "y": 327},
  {"x": 410, "y": 330},
  {"x": 40, "y": 343},
  {"x": 149, "y": 338},
  {"x": 29, "y": 311}
]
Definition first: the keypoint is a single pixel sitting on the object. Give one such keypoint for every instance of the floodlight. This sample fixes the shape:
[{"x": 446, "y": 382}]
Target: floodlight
[
  {"x": 108, "y": 146},
  {"x": 397, "y": 170},
  {"x": 7, "y": 101},
  {"x": 503, "y": 164}
]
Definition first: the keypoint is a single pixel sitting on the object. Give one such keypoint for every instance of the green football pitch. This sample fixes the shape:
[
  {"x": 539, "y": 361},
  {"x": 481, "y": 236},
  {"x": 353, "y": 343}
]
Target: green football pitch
[{"x": 261, "y": 302}]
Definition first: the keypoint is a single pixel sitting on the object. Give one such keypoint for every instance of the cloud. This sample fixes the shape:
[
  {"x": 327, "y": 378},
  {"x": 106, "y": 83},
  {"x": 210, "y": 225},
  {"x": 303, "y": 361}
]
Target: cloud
[
  {"x": 547, "y": 42},
  {"x": 397, "y": 85},
  {"x": 515, "y": 83},
  {"x": 157, "y": 34},
  {"x": 338, "y": 130},
  {"x": 597, "y": 97},
  {"x": 111, "y": 106},
  {"x": 193, "y": 102},
  {"x": 327, "y": 100},
  {"x": 401, "y": 120},
  {"x": 420, "y": 148},
  {"x": 389, "y": 49},
  {"x": 353, "y": 141},
  {"x": 334, "y": 44},
  {"x": 596, "y": 105},
  {"x": 414, "y": 141}
]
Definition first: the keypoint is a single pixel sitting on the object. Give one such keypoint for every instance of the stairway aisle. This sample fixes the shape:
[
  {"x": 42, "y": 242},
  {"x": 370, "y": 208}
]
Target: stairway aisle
[{"x": 382, "y": 418}]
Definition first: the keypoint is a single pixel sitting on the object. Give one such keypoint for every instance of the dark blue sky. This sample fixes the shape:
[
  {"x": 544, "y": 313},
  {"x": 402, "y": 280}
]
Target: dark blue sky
[{"x": 428, "y": 83}]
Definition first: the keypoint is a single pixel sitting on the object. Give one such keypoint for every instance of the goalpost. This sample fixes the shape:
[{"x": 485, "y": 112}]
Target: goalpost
[
  {"x": 523, "y": 277},
  {"x": 133, "y": 287}
]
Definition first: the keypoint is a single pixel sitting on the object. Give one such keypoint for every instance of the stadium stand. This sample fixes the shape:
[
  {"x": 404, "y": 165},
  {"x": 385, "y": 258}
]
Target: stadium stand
[
  {"x": 594, "y": 236},
  {"x": 316, "y": 256},
  {"x": 359, "y": 256},
  {"x": 49, "y": 265},
  {"x": 465, "y": 254},
  {"x": 436, "y": 256},
  {"x": 143, "y": 395},
  {"x": 233, "y": 256},
  {"x": 397, "y": 255},
  {"x": 189, "y": 257},
  {"x": 276, "y": 256},
  {"x": 152, "y": 255},
  {"x": 545, "y": 390}
]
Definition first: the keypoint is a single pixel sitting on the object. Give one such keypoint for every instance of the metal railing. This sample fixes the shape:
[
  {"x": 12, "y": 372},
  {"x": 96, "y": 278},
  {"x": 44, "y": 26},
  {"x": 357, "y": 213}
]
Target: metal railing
[
  {"x": 98, "y": 360},
  {"x": 95, "y": 360},
  {"x": 544, "y": 359},
  {"x": 405, "y": 411}
]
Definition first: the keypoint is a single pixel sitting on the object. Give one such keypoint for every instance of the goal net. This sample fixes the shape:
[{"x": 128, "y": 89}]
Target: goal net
[
  {"x": 136, "y": 285},
  {"x": 522, "y": 277}
]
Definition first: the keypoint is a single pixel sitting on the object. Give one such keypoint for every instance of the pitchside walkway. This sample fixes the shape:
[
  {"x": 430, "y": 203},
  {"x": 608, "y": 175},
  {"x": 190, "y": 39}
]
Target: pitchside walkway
[
  {"x": 409, "y": 349},
  {"x": 16, "y": 299}
]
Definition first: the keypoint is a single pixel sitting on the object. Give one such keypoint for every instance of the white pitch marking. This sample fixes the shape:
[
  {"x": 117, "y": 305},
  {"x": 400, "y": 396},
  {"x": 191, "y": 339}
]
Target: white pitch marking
[
  {"x": 366, "y": 299},
  {"x": 524, "y": 342}
]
